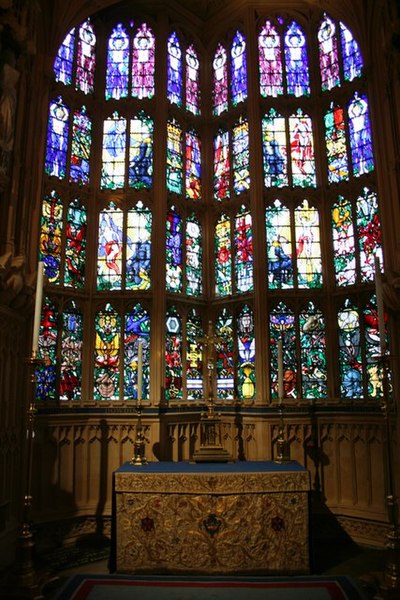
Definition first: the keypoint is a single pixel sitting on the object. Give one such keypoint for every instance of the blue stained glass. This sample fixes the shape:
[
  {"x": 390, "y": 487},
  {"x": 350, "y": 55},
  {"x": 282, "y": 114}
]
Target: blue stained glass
[
  {"x": 350, "y": 358},
  {"x": 360, "y": 136},
  {"x": 86, "y": 60},
  {"x": 138, "y": 248},
  {"x": 270, "y": 61},
  {"x": 57, "y": 139},
  {"x": 279, "y": 246},
  {"x": 328, "y": 54},
  {"x": 193, "y": 95},
  {"x": 173, "y": 355},
  {"x": 141, "y": 152},
  {"x": 220, "y": 88},
  {"x": 48, "y": 335},
  {"x": 174, "y": 252},
  {"x": 174, "y": 76},
  {"x": 113, "y": 157},
  {"x": 110, "y": 245},
  {"x": 117, "y": 75},
  {"x": 240, "y": 152},
  {"x": 80, "y": 147},
  {"x": 283, "y": 326},
  {"x": 63, "y": 63},
  {"x": 71, "y": 353},
  {"x": 297, "y": 76},
  {"x": 274, "y": 150},
  {"x": 137, "y": 330},
  {"x": 194, "y": 255},
  {"x": 174, "y": 157},
  {"x": 238, "y": 69},
  {"x": 352, "y": 59}
]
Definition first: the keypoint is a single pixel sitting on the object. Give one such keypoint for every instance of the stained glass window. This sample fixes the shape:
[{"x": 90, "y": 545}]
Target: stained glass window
[
  {"x": 372, "y": 350},
  {"x": 194, "y": 256},
  {"x": 51, "y": 225},
  {"x": 138, "y": 248},
  {"x": 86, "y": 59},
  {"x": 270, "y": 61},
  {"x": 80, "y": 147},
  {"x": 75, "y": 245},
  {"x": 352, "y": 59},
  {"x": 343, "y": 242},
  {"x": 143, "y": 66},
  {"x": 173, "y": 355},
  {"x": 137, "y": 330},
  {"x": 302, "y": 150},
  {"x": 57, "y": 139},
  {"x": 246, "y": 354},
  {"x": 174, "y": 75},
  {"x": 174, "y": 270},
  {"x": 243, "y": 251},
  {"x": 224, "y": 365},
  {"x": 350, "y": 357},
  {"x": 360, "y": 136},
  {"x": 107, "y": 354},
  {"x": 328, "y": 54},
  {"x": 369, "y": 233},
  {"x": 297, "y": 76},
  {"x": 117, "y": 75},
  {"x": 193, "y": 92},
  {"x": 141, "y": 152},
  {"x": 193, "y": 165},
  {"x": 282, "y": 327},
  {"x": 46, "y": 375},
  {"x": 274, "y": 150},
  {"x": 336, "y": 150},
  {"x": 110, "y": 245},
  {"x": 194, "y": 356},
  {"x": 220, "y": 81},
  {"x": 221, "y": 166},
  {"x": 64, "y": 60},
  {"x": 223, "y": 257},
  {"x": 279, "y": 246},
  {"x": 240, "y": 154},
  {"x": 174, "y": 157},
  {"x": 308, "y": 248},
  {"x": 313, "y": 353},
  {"x": 238, "y": 69},
  {"x": 113, "y": 155},
  {"x": 71, "y": 353}
]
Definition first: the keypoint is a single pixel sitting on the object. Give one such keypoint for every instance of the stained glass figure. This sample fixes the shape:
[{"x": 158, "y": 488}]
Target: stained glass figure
[
  {"x": 270, "y": 62},
  {"x": 243, "y": 236},
  {"x": 137, "y": 330},
  {"x": 117, "y": 74},
  {"x": 222, "y": 166},
  {"x": 141, "y": 152},
  {"x": 113, "y": 155},
  {"x": 313, "y": 353},
  {"x": 86, "y": 58},
  {"x": 194, "y": 356},
  {"x": 110, "y": 245},
  {"x": 240, "y": 154},
  {"x": 143, "y": 65},
  {"x": 336, "y": 149},
  {"x": 194, "y": 257},
  {"x": 71, "y": 353},
  {"x": 302, "y": 150},
  {"x": 372, "y": 350},
  {"x": 80, "y": 147},
  {"x": 220, "y": 81},
  {"x": 51, "y": 226},
  {"x": 57, "y": 139},
  {"x": 224, "y": 365},
  {"x": 193, "y": 166},
  {"x": 308, "y": 247},
  {"x": 174, "y": 157},
  {"x": 174, "y": 70},
  {"x": 246, "y": 376},
  {"x": 75, "y": 245},
  {"x": 223, "y": 257},
  {"x": 274, "y": 150},
  {"x": 64, "y": 60},
  {"x": 297, "y": 75},
  {"x": 352, "y": 58},
  {"x": 343, "y": 242},
  {"x": 193, "y": 93},
  {"x": 350, "y": 357},
  {"x": 328, "y": 54},
  {"x": 360, "y": 136},
  {"x": 283, "y": 327},
  {"x": 369, "y": 233},
  {"x": 107, "y": 354},
  {"x": 46, "y": 375},
  {"x": 173, "y": 355},
  {"x": 238, "y": 69},
  {"x": 279, "y": 246},
  {"x": 174, "y": 265},
  {"x": 138, "y": 248}
]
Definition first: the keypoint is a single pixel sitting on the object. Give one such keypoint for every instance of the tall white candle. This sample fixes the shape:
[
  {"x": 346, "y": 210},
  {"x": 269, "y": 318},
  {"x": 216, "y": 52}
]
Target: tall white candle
[
  {"x": 380, "y": 305},
  {"x": 140, "y": 371},
  {"x": 280, "y": 369},
  {"x": 38, "y": 308}
]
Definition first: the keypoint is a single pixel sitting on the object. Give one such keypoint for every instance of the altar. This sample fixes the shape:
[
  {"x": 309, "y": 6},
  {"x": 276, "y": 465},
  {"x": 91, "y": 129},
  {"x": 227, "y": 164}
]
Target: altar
[{"x": 224, "y": 518}]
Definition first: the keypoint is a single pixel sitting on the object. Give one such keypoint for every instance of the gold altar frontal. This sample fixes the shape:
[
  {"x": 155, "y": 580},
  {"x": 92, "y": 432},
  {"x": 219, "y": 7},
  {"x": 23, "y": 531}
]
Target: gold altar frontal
[{"x": 216, "y": 519}]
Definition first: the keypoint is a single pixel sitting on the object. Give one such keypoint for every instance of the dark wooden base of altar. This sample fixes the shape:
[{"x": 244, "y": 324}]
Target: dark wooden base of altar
[{"x": 244, "y": 517}]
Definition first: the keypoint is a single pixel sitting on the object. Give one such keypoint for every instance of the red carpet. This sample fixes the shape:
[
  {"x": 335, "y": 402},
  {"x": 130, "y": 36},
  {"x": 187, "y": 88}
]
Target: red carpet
[{"x": 124, "y": 587}]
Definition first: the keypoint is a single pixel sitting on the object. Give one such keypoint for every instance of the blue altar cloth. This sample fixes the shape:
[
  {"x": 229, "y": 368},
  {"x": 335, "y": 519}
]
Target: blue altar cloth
[{"x": 254, "y": 466}]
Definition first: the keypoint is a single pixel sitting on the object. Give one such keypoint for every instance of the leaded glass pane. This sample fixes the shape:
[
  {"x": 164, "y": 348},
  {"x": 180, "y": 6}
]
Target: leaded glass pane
[
  {"x": 224, "y": 357},
  {"x": 282, "y": 327},
  {"x": 279, "y": 246},
  {"x": 328, "y": 54},
  {"x": 117, "y": 75},
  {"x": 174, "y": 266},
  {"x": 71, "y": 353},
  {"x": 75, "y": 245},
  {"x": 246, "y": 354},
  {"x": 86, "y": 58},
  {"x": 107, "y": 354},
  {"x": 221, "y": 166},
  {"x": 350, "y": 358},
  {"x": 46, "y": 375},
  {"x": 174, "y": 157},
  {"x": 64, "y": 60},
  {"x": 270, "y": 62},
  {"x": 369, "y": 233},
  {"x": 343, "y": 242},
  {"x": 113, "y": 155},
  {"x": 51, "y": 226},
  {"x": 360, "y": 136},
  {"x": 194, "y": 257},
  {"x": 57, "y": 139},
  {"x": 193, "y": 92},
  {"x": 194, "y": 356},
  {"x": 238, "y": 69},
  {"x": 352, "y": 59},
  {"x": 302, "y": 150},
  {"x": 141, "y": 152},
  {"x": 173, "y": 356},
  {"x": 220, "y": 81},
  {"x": 174, "y": 68},
  {"x": 193, "y": 166},
  {"x": 308, "y": 248},
  {"x": 80, "y": 147},
  {"x": 223, "y": 257},
  {"x": 110, "y": 245},
  {"x": 240, "y": 154},
  {"x": 274, "y": 150},
  {"x": 372, "y": 350},
  {"x": 243, "y": 251},
  {"x": 138, "y": 248},
  {"x": 137, "y": 330},
  {"x": 336, "y": 149},
  {"x": 313, "y": 353},
  {"x": 143, "y": 65},
  {"x": 297, "y": 76}
]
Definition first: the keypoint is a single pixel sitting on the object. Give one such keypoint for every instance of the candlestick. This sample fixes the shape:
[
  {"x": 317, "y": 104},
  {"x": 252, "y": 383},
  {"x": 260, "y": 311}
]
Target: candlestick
[
  {"x": 140, "y": 371},
  {"x": 280, "y": 370},
  {"x": 38, "y": 308},
  {"x": 380, "y": 306}
]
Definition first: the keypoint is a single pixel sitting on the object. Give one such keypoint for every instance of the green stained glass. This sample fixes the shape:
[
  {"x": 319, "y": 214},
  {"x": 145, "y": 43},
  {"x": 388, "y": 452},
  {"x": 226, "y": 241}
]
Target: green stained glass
[
  {"x": 350, "y": 358},
  {"x": 372, "y": 350},
  {"x": 313, "y": 353},
  {"x": 343, "y": 242},
  {"x": 138, "y": 248},
  {"x": 224, "y": 365},
  {"x": 173, "y": 355},
  {"x": 279, "y": 246},
  {"x": 243, "y": 251},
  {"x": 369, "y": 233},
  {"x": 71, "y": 353},
  {"x": 246, "y": 354},
  {"x": 240, "y": 155},
  {"x": 141, "y": 152},
  {"x": 75, "y": 245},
  {"x": 194, "y": 356},
  {"x": 174, "y": 157},
  {"x": 107, "y": 354},
  {"x": 282, "y": 327},
  {"x": 308, "y": 249},
  {"x": 223, "y": 257},
  {"x": 194, "y": 257}
]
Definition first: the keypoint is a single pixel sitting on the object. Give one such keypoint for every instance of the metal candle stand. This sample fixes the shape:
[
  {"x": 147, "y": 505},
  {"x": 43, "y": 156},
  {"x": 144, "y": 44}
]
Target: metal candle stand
[
  {"x": 282, "y": 445},
  {"x": 139, "y": 458}
]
